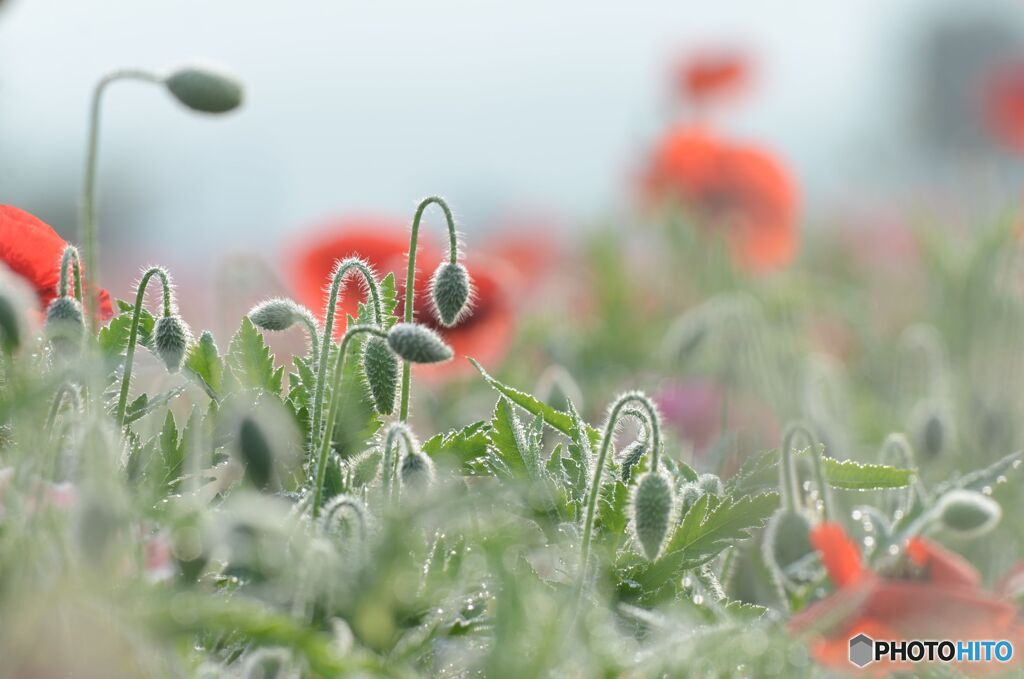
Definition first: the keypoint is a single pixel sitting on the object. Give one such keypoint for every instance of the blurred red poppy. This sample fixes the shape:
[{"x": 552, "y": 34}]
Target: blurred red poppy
[
  {"x": 742, "y": 191},
  {"x": 484, "y": 335},
  {"x": 1003, "y": 105},
  {"x": 939, "y": 598},
  {"x": 712, "y": 75},
  {"x": 33, "y": 250}
]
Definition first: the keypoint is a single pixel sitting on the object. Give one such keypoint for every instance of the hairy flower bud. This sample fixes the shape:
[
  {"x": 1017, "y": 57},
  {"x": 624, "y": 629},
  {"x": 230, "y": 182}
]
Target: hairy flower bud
[
  {"x": 171, "y": 338},
  {"x": 652, "y": 512},
  {"x": 255, "y": 454},
  {"x": 710, "y": 484},
  {"x": 688, "y": 496},
  {"x": 786, "y": 542},
  {"x": 417, "y": 470},
  {"x": 450, "y": 290},
  {"x": 418, "y": 343},
  {"x": 204, "y": 90},
  {"x": 65, "y": 325},
  {"x": 274, "y": 314},
  {"x": 630, "y": 458},
  {"x": 380, "y": 369},
  {"x": 968, "y": 512}
]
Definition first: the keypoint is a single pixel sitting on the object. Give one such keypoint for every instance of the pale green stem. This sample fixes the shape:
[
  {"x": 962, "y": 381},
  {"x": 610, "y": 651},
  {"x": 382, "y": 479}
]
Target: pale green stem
[
  {"x": 410, "y": 281},
  {"x": 389, "y": 465},
  {"x": 89, "y": 231},
  {"x": 133, "y": 336},
  {"x": 789, "y": 484},
  {"x": 332, "y": 408},
  {"x": 341, "y": 272},
  {"x": 643, "y": 403}
]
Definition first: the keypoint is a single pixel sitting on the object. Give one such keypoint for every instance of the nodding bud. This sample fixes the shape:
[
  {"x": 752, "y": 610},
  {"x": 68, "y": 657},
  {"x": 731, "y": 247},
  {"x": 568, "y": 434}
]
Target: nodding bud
[
  {"x": 630, "y": 457},
  {"x": 418, "y": 344},
  {"x": 786, "y": 542},
  {"x": 380, "y": 369},
  {"x": 275, "y": 314},
  {"x": 652, "y": 512},
  {"x": 688, "y": 496},
  {"x": 65, "y": 325},
  {"x": 932, "y": 435},
  {"x": 968, "y": 512},
  {"x": 171, "y": 338},
  {"x": 255, "y": 453},
  {"x": 710, "y": 484},
  {"x": 204, "y": 90},
  {"x": 450, "y": 290},
  {"x": 417, "y": 470}
]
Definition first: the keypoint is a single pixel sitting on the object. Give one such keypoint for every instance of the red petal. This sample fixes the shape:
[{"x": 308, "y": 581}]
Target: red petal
[
  {"x": 838, "y": 552},
  {"x": 940, "y": 565}
]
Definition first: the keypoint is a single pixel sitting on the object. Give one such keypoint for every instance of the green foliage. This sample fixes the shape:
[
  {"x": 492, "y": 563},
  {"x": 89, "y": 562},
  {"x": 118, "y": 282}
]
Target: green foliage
[
  {"x": 249, "y": 363},
  {"x": 205, "y": 365}
]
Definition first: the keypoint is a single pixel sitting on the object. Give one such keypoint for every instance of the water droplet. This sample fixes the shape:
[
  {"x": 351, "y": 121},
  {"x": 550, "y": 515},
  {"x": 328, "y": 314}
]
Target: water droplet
[
  {"x": 987, "y": 490},
  {"x": 806, "y": 486},
  {"x": 1000, "y": 479},
  {"x": 897, "y": 515},
  {"x": 893, "y": 550},
  {"x": 1016, "y": 464},
  {"x": 698, "y": 599},
  {"x": 687, "y": 581},
  {"x": 856, "y": 515},
  {"x": 869, "y": 541},
  {"x": 868, "y": 526}
]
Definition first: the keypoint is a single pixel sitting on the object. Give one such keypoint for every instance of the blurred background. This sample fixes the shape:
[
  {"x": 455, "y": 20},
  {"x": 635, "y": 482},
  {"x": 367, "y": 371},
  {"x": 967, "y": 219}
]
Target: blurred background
[{"x": 526, "y": 111}]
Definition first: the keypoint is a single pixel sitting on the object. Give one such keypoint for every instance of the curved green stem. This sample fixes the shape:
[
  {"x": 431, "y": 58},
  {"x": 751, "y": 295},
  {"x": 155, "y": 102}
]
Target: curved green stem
[
  {"x": 897, "y": 448},
  {"x": 313, "y": 331},
  {"x": 70, "y": 258},
  {"x": 389, "y": 466},
  {"x": 410, "y": 281},
  {"x": 89, "y": 237},
  {"x": 133, "y": 336},
  {"x": 341, "y": 272},
  {"x": 789, "y": 484},
  {"x": 332, "y": 409},
  {"x": 644, "y": 404},
  {"x": 354, "y": 507}
]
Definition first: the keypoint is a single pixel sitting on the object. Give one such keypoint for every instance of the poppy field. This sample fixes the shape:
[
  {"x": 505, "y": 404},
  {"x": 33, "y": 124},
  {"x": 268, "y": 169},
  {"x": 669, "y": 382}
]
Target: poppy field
[{"x": 699, "y": 438}]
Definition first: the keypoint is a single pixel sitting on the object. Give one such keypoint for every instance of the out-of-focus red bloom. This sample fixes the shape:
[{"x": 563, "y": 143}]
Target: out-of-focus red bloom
[
  {"x": 33, "y": 250},
  {"x": 707, "y": 76},
  {"x": 940, "y": 598},
  {"x": 742, "y": 191},
  {"x": 1003, "y": 105},
  {"x": 483, "y": 335}
]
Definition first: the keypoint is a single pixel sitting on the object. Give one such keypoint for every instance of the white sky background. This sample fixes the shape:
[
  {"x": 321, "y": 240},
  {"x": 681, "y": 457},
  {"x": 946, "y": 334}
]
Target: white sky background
[{"x": 363, "y": 107}]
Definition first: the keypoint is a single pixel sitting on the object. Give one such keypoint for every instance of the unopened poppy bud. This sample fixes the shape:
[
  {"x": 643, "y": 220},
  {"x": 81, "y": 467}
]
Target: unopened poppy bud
[
  {"x": 450, "y": 290},
  {"x": 65, "y": 325},
  {"x": 171, "y": 338},
  {"x": 630, "y": 457},
  {"x": 380, "y": 369},
  {"x": 274, "y": 315},
  {"x": 688, "y": 496},
  {"x": 968, "y": 512},
  {"x": 710, "y": 484},
  {"x": 417, "y": 470},
  {"x": 204, "y": 90},
  {"x": 786, "y": 542},
  {"x": 652, "y": 511},
  {"x": 255, "y": 453},
  {"x": 418, "y": 344}
]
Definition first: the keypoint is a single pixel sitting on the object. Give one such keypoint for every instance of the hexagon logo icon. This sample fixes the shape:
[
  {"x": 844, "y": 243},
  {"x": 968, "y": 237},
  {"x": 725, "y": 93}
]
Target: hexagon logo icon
[{"x": 862, "y": 650}]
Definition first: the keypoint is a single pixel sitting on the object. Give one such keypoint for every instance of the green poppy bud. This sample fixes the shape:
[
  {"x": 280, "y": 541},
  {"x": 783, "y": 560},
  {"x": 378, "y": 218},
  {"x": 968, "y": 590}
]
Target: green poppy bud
[
  {"x": 380, "y": 369},
  {"x": 786, "y": 542},
  {"x": 255, "y": 453},
  {"x": 688, "y": 496},
  {"x": 652, "y": 512},
  {"x": 171, "y": 338},
  {"x": 417, "y": 470},
  {"x": 450, "y": 290},
  {"x": 710, "y": 484},
  {"x": 204, "y": 90},
  {"x": 274, "y": 314},
  {"x": 418, "y": 343},
  {"x": 630, "y": 458},
  {"x": 968, "y": 512},
  {"x": 65, "y": 325}
]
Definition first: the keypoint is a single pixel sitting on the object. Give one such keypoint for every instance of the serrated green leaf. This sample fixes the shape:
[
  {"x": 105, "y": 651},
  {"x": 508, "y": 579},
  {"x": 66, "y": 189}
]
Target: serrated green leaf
[
  {"x": 743, "y": 611},
  {"x": 989, "y": 476},
  {"x": 460, "y": 445},
  {"x": 113, "y": 337},
  {"x": 852, "y": 475},
  {"x": 250, "y": 360},
  {"x": 144, "y": 405},
  {"x": 204, "y": 363},
  {"x": 172, "y": 452},
  {"x": 508, "y": 444},
  {"x": 556, "y": 419}
]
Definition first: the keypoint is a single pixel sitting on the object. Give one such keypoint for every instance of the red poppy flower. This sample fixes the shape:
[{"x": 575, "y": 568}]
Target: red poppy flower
[
  {"x": 484, "y": 335},
  {"x": 33, "y": 250},
  {"x": 939, "y": 599},
  {"x": 1003, "y": 105},
  {"x": 708, "y": 76},
  {"x": 743, "y": 191}
]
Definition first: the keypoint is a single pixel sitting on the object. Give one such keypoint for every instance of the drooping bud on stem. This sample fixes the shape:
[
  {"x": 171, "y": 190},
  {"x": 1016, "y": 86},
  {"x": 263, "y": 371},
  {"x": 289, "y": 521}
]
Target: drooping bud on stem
[
  {"x": 967, "y": 512},
  {"x": 279, "y": 314},
  {"x": 380, "y": 368},
  {"x": 417, "y": 344},
  {"x": 204, "y": 89},
  {"x": 397, "y": 436},
  {"x": 171, "y": 338},
  {"x": 340, "y": 511},
  {"x": 652, "y": 510},
  {"x": 451, "y": 287}
]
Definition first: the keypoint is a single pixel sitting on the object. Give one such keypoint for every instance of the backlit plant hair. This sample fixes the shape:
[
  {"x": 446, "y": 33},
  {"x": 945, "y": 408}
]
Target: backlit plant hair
[
  {"x": 409, "y": 341},
  {"x": 397, "y": 435},
  {"x": 170, "y": 334},
  {"x": 198, "y": 88},
  {"x": 342, "y": 269},
  {"x": 338, "y": 510},
  {"x": 278, "y": 314},
  {"x": 636, "y": 400},
  {"x": 65, "y": 325},
  {"x": 450, "y": 284}
]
